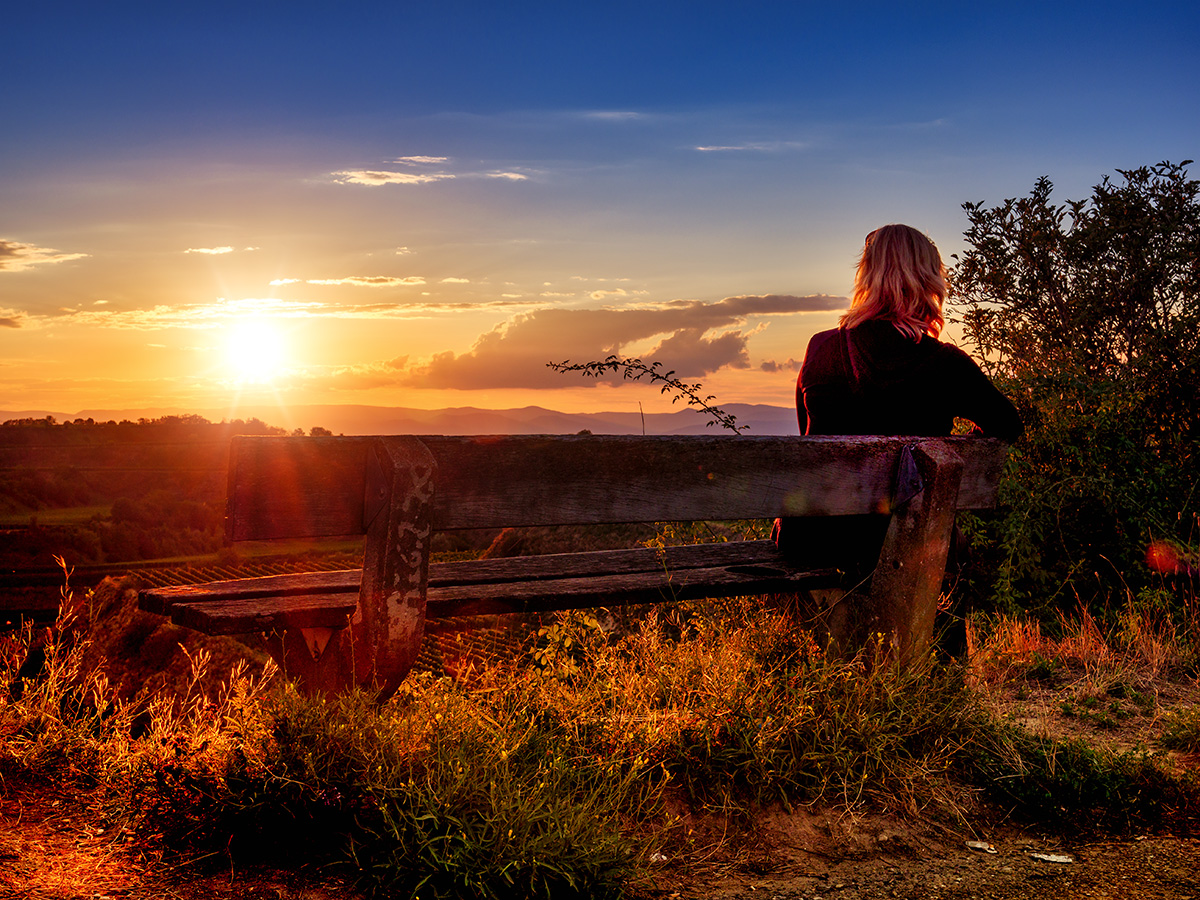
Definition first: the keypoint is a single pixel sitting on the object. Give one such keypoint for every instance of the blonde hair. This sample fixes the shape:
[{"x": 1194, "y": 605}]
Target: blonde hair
[{"x": 900, "y": 279}]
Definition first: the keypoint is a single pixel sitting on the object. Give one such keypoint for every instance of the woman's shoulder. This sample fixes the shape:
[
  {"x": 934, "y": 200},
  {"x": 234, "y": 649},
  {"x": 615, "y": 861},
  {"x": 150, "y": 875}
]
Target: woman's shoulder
[
  {"x": 947, "y": 353},
  {"x": 822, "y": 343},
  {"x": 821, "y": 359},
  {"x": 822, "y": 337}
]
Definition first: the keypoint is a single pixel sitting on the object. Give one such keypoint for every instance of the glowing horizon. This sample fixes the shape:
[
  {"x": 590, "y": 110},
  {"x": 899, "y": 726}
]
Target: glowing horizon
[{"x": 437, "y": 246}]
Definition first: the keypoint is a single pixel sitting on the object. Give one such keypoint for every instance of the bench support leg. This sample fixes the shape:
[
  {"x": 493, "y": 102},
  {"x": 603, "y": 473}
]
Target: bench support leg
[
  {"x": 383, "y": 637},
  {"x": 906, "y": 584}
]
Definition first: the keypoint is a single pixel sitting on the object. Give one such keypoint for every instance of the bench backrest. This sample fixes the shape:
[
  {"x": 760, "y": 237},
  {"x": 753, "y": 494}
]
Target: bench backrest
[{"x": 289, "y": 487}]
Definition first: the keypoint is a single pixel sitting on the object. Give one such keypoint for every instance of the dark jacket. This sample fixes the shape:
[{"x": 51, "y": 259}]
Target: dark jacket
[{"x": 872, "y": 379}]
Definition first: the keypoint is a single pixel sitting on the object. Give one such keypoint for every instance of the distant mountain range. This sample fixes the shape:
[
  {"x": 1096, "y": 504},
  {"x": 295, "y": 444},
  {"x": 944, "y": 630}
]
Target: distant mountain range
[{"x": 762, "y": 419}]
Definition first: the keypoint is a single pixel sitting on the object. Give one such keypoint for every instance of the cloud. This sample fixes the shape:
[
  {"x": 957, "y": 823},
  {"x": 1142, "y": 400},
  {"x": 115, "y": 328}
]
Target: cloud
[
  {"x": 199, "y": 316},
  {"x": 377, "y": 178},
  {"x": 755, "y": 146},
  {"x": 10, "y": 318},
  {"x": 16, "y": 257},
  {"x": 213, "y": 251},
  {"x": 614, "y": 115},
  {"x": 690, "y": 336},
  {"x": 792, "y": 365},
  {"x": 689, "y": 352},
  {"x": 371, "y": 281},
  {"x": 456, "y": 281},
  {"x": 762, "y": 305}
]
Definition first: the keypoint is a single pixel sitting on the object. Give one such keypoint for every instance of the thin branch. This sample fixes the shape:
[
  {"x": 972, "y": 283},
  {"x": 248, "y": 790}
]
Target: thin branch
[{"x": 635, "y": 370}]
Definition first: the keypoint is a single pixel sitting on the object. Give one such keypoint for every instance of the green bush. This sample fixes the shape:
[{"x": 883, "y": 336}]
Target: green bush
[{"x": 1087, "y": 314}]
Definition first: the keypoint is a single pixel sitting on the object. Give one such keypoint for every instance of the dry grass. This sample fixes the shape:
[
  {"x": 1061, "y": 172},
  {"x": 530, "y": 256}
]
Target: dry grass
[
  {"x": 726, "y": 710},
  {"x": 1123, "y": 688}
]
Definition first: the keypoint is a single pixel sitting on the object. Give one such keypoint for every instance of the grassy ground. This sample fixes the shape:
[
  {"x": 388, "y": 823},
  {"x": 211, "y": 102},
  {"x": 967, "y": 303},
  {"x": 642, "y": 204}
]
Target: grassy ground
[{"x": 591, "y": 762}]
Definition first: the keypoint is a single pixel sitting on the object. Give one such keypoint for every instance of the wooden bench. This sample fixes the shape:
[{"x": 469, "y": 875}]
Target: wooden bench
[{"x": 336, "y": 629}]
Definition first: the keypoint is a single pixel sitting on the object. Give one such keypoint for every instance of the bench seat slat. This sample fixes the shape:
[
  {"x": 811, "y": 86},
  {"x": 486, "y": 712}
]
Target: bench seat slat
[
  {"x": 242, "y": 615},
  {"x": 524, "y": 583},
  {"x": 597, "y": 562},
  {"x": 618, "y": 590},
  {"x": 161, "y": 600},
  {"x": 483, "y": 571}
]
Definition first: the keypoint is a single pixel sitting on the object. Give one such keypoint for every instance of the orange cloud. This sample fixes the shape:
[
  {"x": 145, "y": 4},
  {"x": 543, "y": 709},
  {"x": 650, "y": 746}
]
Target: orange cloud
[
  {"x": 694, "y": 338},
  {"x": 17, "y": 257},
  {"x": 370, "y": 281}
]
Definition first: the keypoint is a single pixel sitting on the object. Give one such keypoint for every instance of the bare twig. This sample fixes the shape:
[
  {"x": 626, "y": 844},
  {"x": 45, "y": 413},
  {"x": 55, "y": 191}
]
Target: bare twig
[{"x": 635, "y": 370}]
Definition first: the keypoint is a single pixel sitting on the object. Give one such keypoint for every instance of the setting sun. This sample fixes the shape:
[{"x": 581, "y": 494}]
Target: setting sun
[{"x": 254, "y": 352}]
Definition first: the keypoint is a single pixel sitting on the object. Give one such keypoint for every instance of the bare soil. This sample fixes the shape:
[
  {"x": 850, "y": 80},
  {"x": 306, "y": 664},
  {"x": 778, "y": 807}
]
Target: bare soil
[{"x": 54, "y": 844}]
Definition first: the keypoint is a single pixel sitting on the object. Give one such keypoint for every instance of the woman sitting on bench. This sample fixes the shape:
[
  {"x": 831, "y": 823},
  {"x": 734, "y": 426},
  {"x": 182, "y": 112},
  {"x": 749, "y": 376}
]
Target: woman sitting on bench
[{"x": 883, "y": 371}]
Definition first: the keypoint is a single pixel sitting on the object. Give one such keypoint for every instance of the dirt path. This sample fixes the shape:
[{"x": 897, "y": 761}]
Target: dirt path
[
  {"x": 1149, "y": 868},
  {"x": 54, "y": 847}
]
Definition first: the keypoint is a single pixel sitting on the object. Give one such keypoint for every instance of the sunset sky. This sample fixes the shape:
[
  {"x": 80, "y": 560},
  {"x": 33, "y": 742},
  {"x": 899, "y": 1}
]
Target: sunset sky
[{"x": 402, "y": 204}]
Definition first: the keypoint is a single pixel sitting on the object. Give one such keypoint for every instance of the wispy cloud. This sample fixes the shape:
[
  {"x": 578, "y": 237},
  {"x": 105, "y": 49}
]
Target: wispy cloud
[
  {"x": 377, "y": 178},
  {"x": 380, "y": 177},
  {"x": 455, "y": 281},
  {"x": 370, "y": 281},
  {"x": 770, "y": 365},
  {"x": 615, "y": 292},
  {"x": 211, "y": 251},
  {"x": 614, "y": 115},
  {"x": 356, "y": 281},
  {"x": 754, "y": 146},
  {"x": 17, "y": 257},
  {"x": 221, "y": 312}
]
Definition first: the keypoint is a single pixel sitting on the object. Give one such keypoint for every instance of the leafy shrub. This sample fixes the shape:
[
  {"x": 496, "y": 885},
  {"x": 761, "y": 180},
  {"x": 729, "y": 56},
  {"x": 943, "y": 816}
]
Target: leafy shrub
[{"x": 1087, "y": 313}]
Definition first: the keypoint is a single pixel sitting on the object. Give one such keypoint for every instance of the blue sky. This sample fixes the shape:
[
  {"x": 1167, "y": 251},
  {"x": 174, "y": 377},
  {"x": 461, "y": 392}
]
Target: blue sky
[{"x": 420, "y": 205}]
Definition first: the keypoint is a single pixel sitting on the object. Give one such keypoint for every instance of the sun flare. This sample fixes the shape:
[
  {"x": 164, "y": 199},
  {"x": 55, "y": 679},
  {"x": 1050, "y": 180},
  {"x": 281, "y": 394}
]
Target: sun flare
[{"x": 254, "y": 352}]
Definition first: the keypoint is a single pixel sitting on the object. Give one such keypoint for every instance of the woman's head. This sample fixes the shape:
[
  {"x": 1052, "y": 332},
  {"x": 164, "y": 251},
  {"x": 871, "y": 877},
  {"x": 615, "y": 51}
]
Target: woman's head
[{"x": 900, "y": 279}]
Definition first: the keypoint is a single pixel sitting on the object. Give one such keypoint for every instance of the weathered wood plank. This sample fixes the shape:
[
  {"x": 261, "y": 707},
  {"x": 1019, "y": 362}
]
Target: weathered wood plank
[
  {"x": 912, "y": 562},
  {"x": 597, "y": 578},
  {"x": 243, "y": 615},
  {"x": 296, "y": 487},
  {"x": 602, "y": 562},
  {"x": 482, "y": 571},
  {"x": 240, "y": 615},
  {"x": 160, "y": 600},
  {"x": 288, "y": 487},
  {"x": 619, "y": 590},
  {"x": 514, "y": 481}
]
